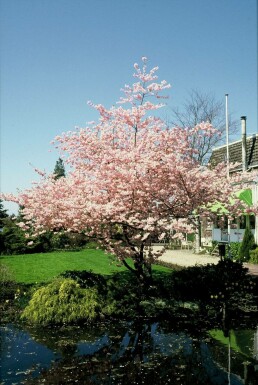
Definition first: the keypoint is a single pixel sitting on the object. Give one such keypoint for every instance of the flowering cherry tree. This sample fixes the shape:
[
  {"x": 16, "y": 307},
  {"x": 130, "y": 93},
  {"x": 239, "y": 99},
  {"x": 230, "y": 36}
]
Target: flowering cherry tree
[{"x": 133, "y": 179}]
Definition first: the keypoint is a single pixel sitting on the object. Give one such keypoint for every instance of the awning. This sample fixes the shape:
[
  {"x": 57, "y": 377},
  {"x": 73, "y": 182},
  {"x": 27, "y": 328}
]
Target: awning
[{"x": 244, "y": 195}]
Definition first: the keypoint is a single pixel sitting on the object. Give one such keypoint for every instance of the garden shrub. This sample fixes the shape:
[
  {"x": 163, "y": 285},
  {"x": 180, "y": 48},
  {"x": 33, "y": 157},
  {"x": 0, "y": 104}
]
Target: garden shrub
[
  {"x": 234, "y": 250},
  {"x": 92, "y": 245},
  {"x": 254, "y": 256},
  {"x": 120, "y": 292},
  {"x": 68, "y": 241},
  {"x": 227, "y": 282},
  {"x": 87, "y": 279},
  {"x": 62, "y": 301},
  {"x": 123, "y": 295},
  {"x": 247, "y": 244}
]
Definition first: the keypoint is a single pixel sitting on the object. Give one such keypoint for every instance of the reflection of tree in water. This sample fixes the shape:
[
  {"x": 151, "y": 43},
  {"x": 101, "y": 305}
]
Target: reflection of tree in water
[
  {"x": 64, "y": 339},
  {"x": 139, "y": 354}
]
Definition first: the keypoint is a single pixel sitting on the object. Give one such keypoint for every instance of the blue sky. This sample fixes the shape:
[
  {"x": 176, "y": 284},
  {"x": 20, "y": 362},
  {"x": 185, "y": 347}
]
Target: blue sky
[{"x": 58, "y": 54}]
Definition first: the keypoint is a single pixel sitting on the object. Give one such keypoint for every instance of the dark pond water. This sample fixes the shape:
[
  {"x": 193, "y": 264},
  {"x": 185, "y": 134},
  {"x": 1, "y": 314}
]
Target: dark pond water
[{"x": 127, "y": 353}]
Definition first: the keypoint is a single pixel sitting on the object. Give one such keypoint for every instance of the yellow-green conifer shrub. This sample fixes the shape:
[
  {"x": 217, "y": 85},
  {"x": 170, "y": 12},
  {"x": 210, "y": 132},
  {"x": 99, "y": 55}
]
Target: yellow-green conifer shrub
[{"x": 62, "y": 301}]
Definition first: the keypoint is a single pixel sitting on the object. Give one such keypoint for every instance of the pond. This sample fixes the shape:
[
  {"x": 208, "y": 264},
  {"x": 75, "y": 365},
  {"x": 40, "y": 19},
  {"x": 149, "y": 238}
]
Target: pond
[{"x": 127, "y": 353}]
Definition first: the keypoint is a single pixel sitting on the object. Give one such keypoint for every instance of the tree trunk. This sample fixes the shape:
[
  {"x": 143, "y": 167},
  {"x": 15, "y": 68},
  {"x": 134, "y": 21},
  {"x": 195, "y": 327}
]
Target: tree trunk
[{"x": 198, "y": 240}]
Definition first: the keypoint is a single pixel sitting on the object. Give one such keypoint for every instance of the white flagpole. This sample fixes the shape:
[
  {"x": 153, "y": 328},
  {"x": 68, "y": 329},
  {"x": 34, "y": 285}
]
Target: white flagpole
[
  {"x": 227, "y": 135},
  {"x": 227, "y": 141}
]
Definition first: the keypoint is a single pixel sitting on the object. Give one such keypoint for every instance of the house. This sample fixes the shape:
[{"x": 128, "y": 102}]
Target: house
[{"x": 244, "y": 152}]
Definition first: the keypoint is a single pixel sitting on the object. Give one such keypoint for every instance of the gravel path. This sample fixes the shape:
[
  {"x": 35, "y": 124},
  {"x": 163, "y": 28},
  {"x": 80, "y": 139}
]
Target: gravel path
[{"x": 188, "y": 258}]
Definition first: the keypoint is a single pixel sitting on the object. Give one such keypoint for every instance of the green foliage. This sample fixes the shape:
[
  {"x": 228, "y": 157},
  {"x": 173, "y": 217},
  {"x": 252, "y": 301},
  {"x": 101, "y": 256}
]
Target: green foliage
[
  {"x": 92, "y": 245},
  {"x": 246, "y": 245},
  {"x": 68, "y": 241},
  {"x": 14, "y": 241},
  {"x": 62, "y": 301},
  {"x": 123, "y": 295},
  {"x": 254, "y": 256},
  {"x": 59, "y": 170},
  {"x": 87, "y": 279},
  {"x": 8, "y": 286},
  {"x": 5, "y": 274},
  {"x": 234, "y": 249},
  {"x": 13, "y": 296},
  {"x": 128, "y": 300},
  {"x": 227, "y": 282},
  {"x": 41, "y": 244},
  {"x": 13, "y": 238},
  {"x": 3, "y": 213}
]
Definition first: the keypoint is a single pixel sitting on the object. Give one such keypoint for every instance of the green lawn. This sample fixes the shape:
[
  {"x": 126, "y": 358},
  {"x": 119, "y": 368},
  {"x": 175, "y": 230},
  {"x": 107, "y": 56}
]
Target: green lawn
[{"x": 32, "y": 268}]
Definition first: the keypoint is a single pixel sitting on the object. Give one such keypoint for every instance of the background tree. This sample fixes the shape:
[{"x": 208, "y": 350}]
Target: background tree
[
  {"x": 3, "y": 218},
  {"x": 12, "y": 238},
  {"x": 59, "y": 170},
  {"x": 133, "y": 176},
  {"x": 203, "y": 107},
  {"x": 3, "y": 213}
]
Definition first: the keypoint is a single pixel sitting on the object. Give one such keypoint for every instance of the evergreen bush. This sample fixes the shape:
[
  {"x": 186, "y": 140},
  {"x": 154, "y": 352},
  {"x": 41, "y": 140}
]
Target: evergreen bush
[
  {"x": 62, "y": 301},
  {"x": 247, "y": 244}
]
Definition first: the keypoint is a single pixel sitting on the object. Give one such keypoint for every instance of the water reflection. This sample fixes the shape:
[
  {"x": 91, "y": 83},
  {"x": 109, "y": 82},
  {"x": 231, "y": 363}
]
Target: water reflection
[
  {"x": 21, "y": 355},
  {"x": 127, "y": 353}
]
